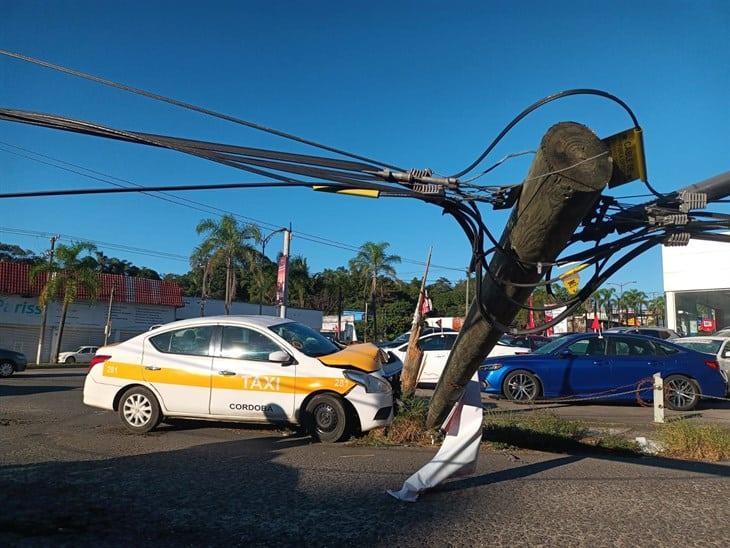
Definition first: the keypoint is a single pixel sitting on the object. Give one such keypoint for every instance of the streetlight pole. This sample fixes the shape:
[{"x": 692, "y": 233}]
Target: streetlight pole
[
  {"x": 265, "y": 241},
  {"x": 621, "y": 285}
]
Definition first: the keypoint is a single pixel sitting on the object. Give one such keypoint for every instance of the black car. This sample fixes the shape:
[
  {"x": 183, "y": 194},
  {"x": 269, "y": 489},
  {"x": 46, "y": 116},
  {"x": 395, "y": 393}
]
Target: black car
[{"x": 10, "y": 362}]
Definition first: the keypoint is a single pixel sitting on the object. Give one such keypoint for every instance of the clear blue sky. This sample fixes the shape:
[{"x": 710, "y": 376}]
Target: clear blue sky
[{"x": 422, "y": 84}]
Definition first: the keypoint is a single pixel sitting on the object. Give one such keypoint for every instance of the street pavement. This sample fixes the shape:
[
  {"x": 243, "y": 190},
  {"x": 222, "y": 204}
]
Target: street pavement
[{"x": 71, "y": 476}]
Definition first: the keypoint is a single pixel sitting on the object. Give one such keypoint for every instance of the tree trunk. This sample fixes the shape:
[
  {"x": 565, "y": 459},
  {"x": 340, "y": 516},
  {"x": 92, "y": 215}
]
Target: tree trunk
[
  {"x": 547, "y": 213},
  {"x": 61, "y": 325}
]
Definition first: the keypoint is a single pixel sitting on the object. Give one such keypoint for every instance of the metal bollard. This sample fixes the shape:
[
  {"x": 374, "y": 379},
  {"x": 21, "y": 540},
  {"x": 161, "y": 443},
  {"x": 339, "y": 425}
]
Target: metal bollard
[{"x": 658, "y": 398}]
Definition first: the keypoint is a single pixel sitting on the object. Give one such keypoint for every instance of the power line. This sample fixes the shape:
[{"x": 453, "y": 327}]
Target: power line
[
  {"x": 108, "y": 245},
  {"x": 191, "y": 204},
  {"x": 189, "y": 106}
]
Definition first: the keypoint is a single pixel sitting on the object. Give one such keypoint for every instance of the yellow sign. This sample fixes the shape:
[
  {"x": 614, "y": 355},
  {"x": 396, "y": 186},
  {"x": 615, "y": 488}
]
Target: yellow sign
[
  {"x": 362, "y": 192},
  {"x": 571, "y": 283},
  {"x": 627, "y": 152}
]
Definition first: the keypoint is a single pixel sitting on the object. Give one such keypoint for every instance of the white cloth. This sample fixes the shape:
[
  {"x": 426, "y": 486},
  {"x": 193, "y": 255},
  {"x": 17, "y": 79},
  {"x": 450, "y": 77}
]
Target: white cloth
[{"x": 459, "y": 451}]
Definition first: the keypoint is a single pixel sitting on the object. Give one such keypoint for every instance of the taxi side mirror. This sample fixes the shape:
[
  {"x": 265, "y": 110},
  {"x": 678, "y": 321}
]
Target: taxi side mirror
[{"x": 279, "y": 356}]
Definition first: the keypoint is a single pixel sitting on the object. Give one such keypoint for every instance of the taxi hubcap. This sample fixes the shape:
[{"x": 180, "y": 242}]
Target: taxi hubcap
[
  {"x": 325, "y": 418},
  {"x": 137, "y": 409}
]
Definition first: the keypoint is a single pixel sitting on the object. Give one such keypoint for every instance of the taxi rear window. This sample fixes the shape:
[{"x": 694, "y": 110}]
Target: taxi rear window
[{"x": 191, "y": 341}]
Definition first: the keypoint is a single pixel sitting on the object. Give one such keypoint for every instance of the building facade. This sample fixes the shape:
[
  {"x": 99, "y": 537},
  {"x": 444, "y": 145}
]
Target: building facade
[{"x": 697, "y": 286}]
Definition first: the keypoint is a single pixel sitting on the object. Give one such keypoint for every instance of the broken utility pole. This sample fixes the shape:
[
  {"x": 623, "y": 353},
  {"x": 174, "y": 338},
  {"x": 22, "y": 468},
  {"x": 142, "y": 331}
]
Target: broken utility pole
[
  {"x": 414, "y": 354},
  {"x": 560, "y": 189}
]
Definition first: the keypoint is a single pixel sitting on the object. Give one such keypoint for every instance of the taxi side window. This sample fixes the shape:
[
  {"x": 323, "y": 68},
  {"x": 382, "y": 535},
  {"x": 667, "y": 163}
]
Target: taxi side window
[
  {"x": 246, "y": 344},
  {"x": 192, "y": 341}
]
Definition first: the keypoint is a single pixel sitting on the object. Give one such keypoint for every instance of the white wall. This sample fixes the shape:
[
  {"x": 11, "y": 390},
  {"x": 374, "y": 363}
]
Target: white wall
[{"x": 699, "y": 265}]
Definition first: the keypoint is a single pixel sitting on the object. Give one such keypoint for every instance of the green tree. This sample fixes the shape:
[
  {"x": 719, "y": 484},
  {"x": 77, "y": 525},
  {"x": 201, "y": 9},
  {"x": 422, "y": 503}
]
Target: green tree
[
  {"x": 228, "y": 243},
  {"x": 65, "y": 278},
  {"x": 657, "y": 306},
  {"x": 299, "y": 281},
  {"x": 372, "y": 263}
]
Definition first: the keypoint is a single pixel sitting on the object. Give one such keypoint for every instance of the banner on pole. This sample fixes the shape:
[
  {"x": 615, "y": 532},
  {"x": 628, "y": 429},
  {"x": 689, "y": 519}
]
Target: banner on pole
[{"x": 281, "y": 279}]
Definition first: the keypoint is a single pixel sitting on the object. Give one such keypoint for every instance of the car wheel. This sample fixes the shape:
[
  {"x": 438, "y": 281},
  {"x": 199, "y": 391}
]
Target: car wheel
[
  {"x": 70, "y": 359},
  {"x": 326, "y": 418},
  {"x": 139, "y": 410},
  {"x": 681, "y": 393},
  {"x": 521, "y": 386},
  {"x": 6, "y": 369}
]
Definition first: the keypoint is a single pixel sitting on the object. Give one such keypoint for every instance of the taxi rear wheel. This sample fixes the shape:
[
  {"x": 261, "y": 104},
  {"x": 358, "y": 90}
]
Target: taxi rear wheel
[
  {"x": 139, "y": 410},
  {"x": 326, "y": 418}
]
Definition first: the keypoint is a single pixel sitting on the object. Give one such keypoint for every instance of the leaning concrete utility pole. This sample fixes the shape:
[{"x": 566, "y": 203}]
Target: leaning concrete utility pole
[
  {"x": 567, "y": 175},
  {"x": 44, "y": 310},
  {"x": 284, "y": 272},
  {"x": 414, "y": 354}
]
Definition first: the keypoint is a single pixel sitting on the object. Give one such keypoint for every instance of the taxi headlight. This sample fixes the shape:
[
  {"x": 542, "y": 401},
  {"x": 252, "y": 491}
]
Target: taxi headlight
[
  {"x": 490, "y": 367},
  {"x": 372, "y": 384}
]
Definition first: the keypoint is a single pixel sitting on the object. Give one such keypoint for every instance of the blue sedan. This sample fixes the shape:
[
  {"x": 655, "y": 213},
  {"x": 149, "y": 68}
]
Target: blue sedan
[{"x": 586, "y": 364}]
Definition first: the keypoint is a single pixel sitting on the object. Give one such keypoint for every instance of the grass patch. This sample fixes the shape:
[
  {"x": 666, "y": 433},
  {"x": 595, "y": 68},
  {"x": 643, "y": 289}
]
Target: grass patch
[
  {"x": 408, "y": 427},
  {"x": 535, "y": 430},
  {"x": 691, "y": 440}
]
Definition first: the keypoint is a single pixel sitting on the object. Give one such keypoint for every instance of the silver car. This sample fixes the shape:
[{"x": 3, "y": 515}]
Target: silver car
[
  {"x": 82, "y": 354},
  {"x": 717, "y": 346}
]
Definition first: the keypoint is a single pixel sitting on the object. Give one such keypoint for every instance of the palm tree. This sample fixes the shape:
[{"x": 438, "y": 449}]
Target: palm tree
[
  {"x": 299, "y": 280},
  {"x": 635, "y": 300},
  {"x": 373, "y": 262},
  {"x": 226, "y": 240},
  {"x": 605, "y": 298},
  {"x": 202, "y": 260},
  {"x": 656, "y": 306},
  {"x": 65, "y": 279}
]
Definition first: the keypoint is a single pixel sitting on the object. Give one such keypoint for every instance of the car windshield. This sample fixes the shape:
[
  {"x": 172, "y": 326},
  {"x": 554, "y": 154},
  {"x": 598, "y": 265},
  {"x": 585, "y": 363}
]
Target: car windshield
[
  {"x": 707, "y": 346},
  {"x": 551, "y": 347},
  {"x": 305, "y": 339}
]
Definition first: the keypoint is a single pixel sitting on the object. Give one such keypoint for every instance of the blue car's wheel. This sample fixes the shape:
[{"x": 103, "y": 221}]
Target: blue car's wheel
[
  {"x": 681, "y": 393},
  {"x": 521, "y": 386}
]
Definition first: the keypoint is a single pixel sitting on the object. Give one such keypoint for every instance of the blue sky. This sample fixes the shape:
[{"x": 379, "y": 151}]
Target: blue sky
[{"x": 422, "y": 84}]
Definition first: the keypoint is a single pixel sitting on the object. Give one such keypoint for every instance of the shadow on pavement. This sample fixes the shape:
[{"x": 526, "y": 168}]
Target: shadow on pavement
[{"x": 28, "y": 389}]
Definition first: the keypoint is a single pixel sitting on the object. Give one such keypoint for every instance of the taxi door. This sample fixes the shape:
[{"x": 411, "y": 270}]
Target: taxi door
[
  {"x": 177, "y": 365},
  {"x": 246, "y": 384}
]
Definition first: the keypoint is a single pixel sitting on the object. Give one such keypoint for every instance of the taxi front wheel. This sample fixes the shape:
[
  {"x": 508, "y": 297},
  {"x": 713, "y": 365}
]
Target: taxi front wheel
[
  {"x": 139, "y": 410},
  {"x": 326, "y": 418}
]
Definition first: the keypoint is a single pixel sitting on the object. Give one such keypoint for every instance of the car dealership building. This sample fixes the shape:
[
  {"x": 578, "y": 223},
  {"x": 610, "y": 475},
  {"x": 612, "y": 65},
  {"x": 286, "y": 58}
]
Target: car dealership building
[{"x": 697, "y": 286}]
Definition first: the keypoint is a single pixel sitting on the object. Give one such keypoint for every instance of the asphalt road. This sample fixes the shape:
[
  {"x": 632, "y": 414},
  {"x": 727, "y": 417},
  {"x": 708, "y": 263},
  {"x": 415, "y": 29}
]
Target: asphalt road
[{"x": 70, "y": 475}]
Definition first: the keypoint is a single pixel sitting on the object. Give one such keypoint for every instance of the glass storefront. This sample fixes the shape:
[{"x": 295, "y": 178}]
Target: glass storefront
[{"x": 702, "y": 312}]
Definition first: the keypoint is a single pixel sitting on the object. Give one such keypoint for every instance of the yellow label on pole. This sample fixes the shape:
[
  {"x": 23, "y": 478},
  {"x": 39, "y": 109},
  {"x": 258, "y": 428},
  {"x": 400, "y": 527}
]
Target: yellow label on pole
[
  {"x": 627, "y": 151},
  {"x": 571, "y": 283}
]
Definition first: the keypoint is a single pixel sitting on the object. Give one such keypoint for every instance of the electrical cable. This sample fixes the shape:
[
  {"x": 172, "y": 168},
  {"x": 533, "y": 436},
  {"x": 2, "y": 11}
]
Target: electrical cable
[{"x": 190, "y": 106}]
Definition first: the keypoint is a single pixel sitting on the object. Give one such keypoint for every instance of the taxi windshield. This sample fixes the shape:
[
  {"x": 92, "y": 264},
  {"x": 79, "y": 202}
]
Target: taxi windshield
[{"x": 305, "y": 339}]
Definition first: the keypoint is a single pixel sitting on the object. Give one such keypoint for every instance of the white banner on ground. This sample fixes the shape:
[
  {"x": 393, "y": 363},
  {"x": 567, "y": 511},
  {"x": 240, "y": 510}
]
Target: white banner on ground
[{"x": 459, "y": 451}]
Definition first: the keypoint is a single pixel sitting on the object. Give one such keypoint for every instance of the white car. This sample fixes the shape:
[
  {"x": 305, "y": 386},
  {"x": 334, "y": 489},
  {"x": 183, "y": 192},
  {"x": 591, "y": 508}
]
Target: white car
[
  {"x": 83, "y": 354},
  {"x": 436, "y": 349},
  {"x": 711, "y": 344},
  {"x": 242, "y": 368}
]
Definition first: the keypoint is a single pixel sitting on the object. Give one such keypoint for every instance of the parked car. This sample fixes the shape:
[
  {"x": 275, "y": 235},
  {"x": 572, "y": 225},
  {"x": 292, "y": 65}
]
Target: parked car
[
  {"x": 242, "y": 368},
  {"x": 404, "y": 337},
  {"x": 529, "y": 342},
  {"x": 589, "y": 363},
  {"x": 436, "y": 349},
  {"x": 658, "y": 332},
  {"x": 724, "y": 332},
  {"x": 716, "y": 345},
  {"x": 11, "y": 361},
  {"x": 83, "y": 354}
]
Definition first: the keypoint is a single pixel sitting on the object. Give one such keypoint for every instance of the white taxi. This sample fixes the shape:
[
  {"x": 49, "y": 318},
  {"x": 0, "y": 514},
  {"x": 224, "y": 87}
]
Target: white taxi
[{"x": 242, "y": 368}]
